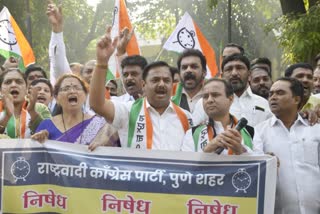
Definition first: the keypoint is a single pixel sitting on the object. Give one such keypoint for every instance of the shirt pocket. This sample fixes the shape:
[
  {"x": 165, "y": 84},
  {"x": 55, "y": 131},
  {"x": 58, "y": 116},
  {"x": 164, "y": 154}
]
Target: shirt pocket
[{"x": 311, "y": 152}]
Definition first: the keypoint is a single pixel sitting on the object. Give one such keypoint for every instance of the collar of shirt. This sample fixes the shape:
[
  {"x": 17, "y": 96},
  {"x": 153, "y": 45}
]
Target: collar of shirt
[
  {"x": 169, "y": 108},
  {"x": 197, "y": 95},
  {"x": 246, "y": 93},
  {"x": 274, "y": 121}
]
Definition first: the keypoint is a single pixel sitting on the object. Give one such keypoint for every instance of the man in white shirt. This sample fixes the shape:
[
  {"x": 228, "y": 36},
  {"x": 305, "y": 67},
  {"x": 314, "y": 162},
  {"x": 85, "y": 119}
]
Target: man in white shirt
[
  {"x": 296, "y": 144},
  {"x": 236, "y": 70},
  {"x": 153, "y": 122},
  {"x": 217, "y": 99}
]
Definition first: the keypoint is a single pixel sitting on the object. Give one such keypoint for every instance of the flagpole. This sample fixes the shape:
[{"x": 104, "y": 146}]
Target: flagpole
[{"x": 159, "y": 54}]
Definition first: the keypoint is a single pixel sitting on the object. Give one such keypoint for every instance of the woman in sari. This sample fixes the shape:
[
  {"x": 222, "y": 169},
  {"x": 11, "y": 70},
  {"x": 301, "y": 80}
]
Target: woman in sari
[
  {"x": 19, "y": 117},
  {"x": 72, "y": 125}
]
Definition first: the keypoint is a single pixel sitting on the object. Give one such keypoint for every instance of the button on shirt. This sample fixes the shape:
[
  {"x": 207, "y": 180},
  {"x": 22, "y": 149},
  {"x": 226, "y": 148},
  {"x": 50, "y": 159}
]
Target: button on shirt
[
  {"x": 168, "y": 132},
  {"x": 251, "y": 106},
  {"x": 298, "y": 184}
]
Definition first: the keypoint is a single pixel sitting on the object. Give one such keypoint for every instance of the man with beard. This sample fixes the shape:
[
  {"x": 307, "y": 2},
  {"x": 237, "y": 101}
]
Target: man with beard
[
  {"x": 193, "y": 68},
  {"x": 304, "y": 73},
  {"x": 260, "y": 81},
  {"x": 296, "y": 144},
  {"x": 150, "y": 122},
  {"x": 236, "y": 71}
]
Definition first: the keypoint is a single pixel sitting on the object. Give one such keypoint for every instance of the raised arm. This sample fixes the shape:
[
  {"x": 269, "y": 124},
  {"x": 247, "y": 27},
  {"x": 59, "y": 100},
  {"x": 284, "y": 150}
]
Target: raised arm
[
  {"x": 59, "y": 64},
  {"x": 104, "y": 50}
]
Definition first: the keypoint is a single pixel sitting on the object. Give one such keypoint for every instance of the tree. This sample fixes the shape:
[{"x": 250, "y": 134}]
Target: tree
[
  {"x": 156, "y": 19},
  {"x": 298, "y": 35}
]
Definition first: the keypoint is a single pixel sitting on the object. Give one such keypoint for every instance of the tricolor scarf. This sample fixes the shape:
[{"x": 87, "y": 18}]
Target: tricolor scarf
[
  {"x": 18, "y": 127},
  {"x": 140, "y": 133},
  {"x": 202, "y": 135},
  {"x": 177, "y": 93}
]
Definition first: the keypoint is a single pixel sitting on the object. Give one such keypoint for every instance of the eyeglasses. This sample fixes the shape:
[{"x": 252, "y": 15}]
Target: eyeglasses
[{"x": 72, "y": 87}]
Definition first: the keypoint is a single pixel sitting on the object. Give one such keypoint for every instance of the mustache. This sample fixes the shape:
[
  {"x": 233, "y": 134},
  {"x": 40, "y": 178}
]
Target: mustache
[
  {"x": 129, "y": 83},
  {"x": 189, "y": 76}
]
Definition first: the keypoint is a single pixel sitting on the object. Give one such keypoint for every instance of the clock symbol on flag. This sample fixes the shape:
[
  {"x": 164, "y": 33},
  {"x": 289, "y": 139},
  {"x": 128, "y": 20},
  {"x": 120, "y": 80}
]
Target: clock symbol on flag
[
  {"x": 7, "y": 35},
  {"x": 185, "y": 38}
]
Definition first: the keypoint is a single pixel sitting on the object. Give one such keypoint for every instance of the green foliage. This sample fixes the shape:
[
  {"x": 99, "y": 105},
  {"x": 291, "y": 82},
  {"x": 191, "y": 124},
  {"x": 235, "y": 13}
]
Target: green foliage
[
  {"x": 298, "y": 35},
  {"x": 158, "y": 19}
]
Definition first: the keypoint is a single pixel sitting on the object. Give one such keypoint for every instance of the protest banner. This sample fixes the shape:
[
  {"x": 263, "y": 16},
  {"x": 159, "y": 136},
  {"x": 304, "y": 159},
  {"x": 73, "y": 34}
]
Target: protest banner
[{"x": 66, "y": 178}]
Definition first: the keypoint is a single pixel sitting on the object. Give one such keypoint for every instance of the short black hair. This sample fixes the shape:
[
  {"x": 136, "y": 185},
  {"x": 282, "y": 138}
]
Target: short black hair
[
  {"x": 262, "y": 60},
  {"x": 134, "y": 60},
  {"x": 192, "y": 52},
  {"x": 113, "y": 82},
  {"x": 261, "y": 68},
  {"x": 288, "y": 72},
  {"x": 296, "y": 87},
  {"x": 45, "y": 81},
  {"x": 235, "y": 57},
  {"x": 234, "y": 45},
  {"x": 155, "y": 65},
  {"x": 317, "y": 58},
  {"x": 227, "y": 86},
  {"x": 4, "y": 74},
  {"x": 34, "y": 67},
  {"x": 174, "y": 70}
]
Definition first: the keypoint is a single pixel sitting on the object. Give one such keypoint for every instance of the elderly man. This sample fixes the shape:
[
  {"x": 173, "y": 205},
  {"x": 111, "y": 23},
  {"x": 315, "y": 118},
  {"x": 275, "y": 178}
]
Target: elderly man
[
  {"x": 288, "y": 136},
  {"x": 148, "y": 123}
]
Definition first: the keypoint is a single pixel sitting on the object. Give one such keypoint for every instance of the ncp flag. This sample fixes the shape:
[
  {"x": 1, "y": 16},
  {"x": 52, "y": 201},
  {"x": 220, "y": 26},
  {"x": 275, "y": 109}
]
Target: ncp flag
[
  {"x": 188, "y": 35},
  {"x": 12, "y": 40},
  {"x": 120, "y": 21}
]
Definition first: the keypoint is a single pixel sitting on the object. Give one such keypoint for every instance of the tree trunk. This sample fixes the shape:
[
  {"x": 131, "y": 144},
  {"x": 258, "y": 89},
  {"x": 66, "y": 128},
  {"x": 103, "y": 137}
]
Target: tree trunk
[{"x": 292, "y": 6}]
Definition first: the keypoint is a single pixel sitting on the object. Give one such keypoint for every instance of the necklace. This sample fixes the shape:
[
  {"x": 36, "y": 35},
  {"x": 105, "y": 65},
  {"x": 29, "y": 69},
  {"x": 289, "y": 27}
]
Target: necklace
[{"x": 65, "y": 129}]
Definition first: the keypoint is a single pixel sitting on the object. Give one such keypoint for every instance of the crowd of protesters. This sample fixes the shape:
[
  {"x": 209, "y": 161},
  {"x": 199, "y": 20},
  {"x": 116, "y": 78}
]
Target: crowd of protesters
[{"x": 165, "y": 108}]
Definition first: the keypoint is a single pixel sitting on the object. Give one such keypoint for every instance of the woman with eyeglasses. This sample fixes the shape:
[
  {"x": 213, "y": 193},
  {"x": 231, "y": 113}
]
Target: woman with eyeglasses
[
  {"x": 72, "y": 125},
  {"x": 20, "y": 114}
]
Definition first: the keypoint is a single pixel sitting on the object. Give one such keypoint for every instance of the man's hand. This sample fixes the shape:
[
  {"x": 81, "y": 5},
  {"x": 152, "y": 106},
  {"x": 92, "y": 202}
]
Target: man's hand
[
  {"x": 230, "y": 138},
  {"x": 7, "y": 102},
  {"x": 311, "y": 115},
  {"x": 32, "y": 98},
  {"x": 124, "y": 38},
  {"x": 105, "y": 48},
  {"x": 11, "y": 62},
  {"x": 41, "y": 136},
  {"x": 55, "y": 17}
]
